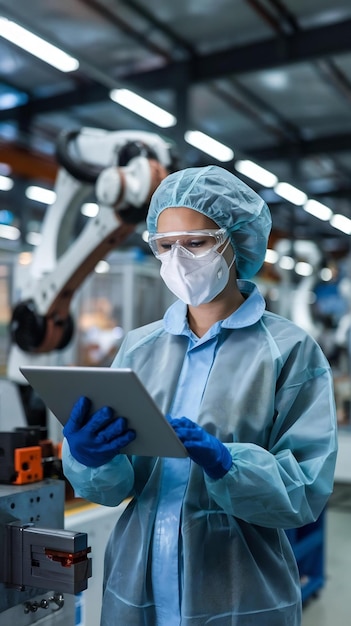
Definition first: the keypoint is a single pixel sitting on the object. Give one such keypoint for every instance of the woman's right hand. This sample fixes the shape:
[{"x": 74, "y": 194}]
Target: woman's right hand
[{"x": 95, "y": 439}]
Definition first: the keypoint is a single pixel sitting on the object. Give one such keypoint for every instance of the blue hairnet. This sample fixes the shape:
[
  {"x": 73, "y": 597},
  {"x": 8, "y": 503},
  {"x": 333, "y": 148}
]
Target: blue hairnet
[{"x": 226, "y": 200}]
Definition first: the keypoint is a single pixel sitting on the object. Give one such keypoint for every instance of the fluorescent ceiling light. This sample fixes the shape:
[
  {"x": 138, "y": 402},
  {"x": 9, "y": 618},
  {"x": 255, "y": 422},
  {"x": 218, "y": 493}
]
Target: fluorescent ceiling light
[
  {"x": 326, "y": 274},
  {"x": 303, "y": 269},
  {"x": 90, "y": 209},
  {"x": 256, "y": 172},
  {"x": 38, "y": 47},
  {"x": 318, "y": 209},
  {"x": 102, "y": 267},
  {"x": 142, "y": 107},
  {"x": 6, "y": 183},
  {"x": 211, "y": 146},
  {"x": 39, "y": 194},
  {"x": 33, "y": 238},
  {"x": 286, "y": 263},
  {"x": 271, "y": 256},
  {"x": 341, "y": 222},
  {"x": 9, "y": 232},
  {"x": 290, "y": 193}
]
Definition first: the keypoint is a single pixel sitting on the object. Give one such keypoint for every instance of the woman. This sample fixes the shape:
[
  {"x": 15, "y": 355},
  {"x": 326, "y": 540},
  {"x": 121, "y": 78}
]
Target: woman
[{"x": 249, "y": 394}]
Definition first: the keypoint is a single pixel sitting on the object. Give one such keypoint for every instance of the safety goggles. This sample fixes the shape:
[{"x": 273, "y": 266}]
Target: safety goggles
[{"x": 196, "y": 242}]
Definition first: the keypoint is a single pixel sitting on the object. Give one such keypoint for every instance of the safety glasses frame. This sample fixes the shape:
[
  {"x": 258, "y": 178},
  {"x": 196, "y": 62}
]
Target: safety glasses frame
[{"x": 219, "y": 234}]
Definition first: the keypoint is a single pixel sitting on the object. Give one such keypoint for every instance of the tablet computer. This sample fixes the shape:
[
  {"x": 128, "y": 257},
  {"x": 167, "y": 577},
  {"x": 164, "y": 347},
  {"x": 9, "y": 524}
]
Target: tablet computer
[{"x": 60, "y": 387}]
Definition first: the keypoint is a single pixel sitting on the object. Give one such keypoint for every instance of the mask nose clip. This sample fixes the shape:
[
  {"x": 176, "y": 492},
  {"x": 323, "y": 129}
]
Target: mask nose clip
[{"x": 176, "y": 246}]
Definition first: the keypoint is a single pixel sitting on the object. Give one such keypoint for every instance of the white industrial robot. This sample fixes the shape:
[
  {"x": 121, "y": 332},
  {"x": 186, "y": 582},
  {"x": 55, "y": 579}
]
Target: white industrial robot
[{"x": 122, "y": 169}]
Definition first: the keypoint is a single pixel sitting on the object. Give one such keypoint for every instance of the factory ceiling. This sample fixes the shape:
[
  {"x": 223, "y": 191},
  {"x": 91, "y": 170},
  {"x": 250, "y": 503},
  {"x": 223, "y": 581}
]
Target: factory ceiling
[{"x": 270, "y": 79}]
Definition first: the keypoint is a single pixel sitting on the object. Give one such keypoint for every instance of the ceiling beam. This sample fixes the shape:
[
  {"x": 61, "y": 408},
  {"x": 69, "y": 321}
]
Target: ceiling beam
[
  {"x": 88, "y": 93},
  {"x": 305, "y": 45},
  {"x": 298, "y": 46},
  {"x": 328, "y": 144},
  {"x": 276, "y": 52}
]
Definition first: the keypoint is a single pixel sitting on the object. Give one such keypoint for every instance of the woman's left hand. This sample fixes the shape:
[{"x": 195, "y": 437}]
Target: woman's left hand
[{"x": 203, "y": 448}]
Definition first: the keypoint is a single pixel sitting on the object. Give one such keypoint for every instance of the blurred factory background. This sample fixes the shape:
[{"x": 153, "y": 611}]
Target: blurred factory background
[{"x": 259, "y": 87}]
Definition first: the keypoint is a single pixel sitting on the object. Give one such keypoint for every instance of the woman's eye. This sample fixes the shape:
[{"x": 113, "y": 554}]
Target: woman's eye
[
  {"x": 165, "y": 246},
  {"x": 196, "y": 243}
]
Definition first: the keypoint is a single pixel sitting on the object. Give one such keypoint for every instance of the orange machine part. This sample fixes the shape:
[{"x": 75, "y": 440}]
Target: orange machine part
[{"x": 28, "y": 465}]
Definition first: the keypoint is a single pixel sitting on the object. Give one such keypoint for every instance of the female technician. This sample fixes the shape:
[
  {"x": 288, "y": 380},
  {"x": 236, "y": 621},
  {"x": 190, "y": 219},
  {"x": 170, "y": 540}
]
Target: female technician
[{"x": 250, "y": 395}]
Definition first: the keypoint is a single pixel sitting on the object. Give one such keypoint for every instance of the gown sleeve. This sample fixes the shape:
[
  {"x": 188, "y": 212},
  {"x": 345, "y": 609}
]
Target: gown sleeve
[
  {"x": 288, "y": 483},
  {"x": 108, "y": 484}
]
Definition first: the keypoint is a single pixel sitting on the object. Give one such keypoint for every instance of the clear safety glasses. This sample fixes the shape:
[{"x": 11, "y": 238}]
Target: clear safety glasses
[{"x": 196, "y": 242}]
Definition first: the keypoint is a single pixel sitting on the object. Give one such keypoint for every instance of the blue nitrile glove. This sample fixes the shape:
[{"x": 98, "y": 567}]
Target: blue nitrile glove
[
  {"x": 205, "y": 449},
  {"x": 95, "y": 439}
]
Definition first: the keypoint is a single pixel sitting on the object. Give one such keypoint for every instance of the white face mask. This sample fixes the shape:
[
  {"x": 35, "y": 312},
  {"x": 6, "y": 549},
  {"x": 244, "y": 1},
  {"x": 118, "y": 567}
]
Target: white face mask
[{"x": 195, "y": 280}]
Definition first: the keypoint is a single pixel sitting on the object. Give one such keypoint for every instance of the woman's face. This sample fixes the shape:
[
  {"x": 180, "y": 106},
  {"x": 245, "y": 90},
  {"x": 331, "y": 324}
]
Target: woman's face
[{"x": 176, "y": 219}]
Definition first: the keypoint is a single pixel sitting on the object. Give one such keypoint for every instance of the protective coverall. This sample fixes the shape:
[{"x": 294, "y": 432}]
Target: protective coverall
[{"x": 193, "y": 551}]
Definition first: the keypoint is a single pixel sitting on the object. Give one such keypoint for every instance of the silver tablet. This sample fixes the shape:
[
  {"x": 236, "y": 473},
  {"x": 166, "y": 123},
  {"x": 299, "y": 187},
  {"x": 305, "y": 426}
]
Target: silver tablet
[{"x": 60, "y": 387}]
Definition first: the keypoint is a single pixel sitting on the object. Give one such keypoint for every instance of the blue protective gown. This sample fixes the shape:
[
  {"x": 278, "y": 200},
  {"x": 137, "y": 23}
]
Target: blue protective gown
[{"x": 193, "y": 551}]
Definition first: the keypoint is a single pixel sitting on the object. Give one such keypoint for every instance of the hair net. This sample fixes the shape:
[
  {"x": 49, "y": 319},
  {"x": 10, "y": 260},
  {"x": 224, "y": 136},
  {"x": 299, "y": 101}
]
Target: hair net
[{"x": 226, "y": 200}]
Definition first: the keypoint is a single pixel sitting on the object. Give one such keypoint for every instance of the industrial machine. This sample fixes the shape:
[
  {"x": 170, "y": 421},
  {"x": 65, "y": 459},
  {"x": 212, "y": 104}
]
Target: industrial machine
[
  {"x": 121, "y": 170},
  {"x": 39, "y": 561}
]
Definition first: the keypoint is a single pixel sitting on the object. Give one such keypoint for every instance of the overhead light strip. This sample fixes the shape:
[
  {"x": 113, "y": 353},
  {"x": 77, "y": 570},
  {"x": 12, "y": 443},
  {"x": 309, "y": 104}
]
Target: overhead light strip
[
  {"x": 290, "y": 193},
  {"x": 271, "y": 256},
  {"x": 209, "y": 145},
  {"x": 294, "y": 195},
  {"x": 40, "y": 194},
  {"x": 89, "y": 209},
  {"x": 341, "y": 222},
  {"x": 318, "y": 209},
  {"x": 33, "y": 238},
  {"x": 6, "y": 183},
  {"x": 37, "y": 46},
  {"x": 143, "y": 107},
  {"x": 9, "y": 232},
  {"x": 256, "y": 173}
]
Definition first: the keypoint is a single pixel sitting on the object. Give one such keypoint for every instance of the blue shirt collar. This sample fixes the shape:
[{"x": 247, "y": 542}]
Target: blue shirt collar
[{"x": 176, "y": 323}]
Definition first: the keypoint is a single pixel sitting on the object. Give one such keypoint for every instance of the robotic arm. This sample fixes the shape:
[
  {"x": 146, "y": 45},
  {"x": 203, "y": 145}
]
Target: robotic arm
[{"x": 122, "y": 169}]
